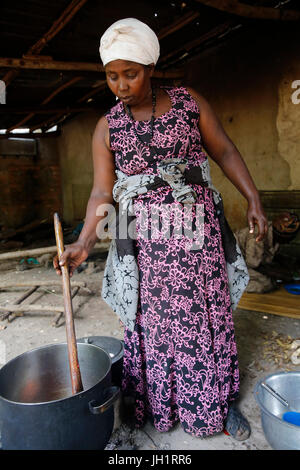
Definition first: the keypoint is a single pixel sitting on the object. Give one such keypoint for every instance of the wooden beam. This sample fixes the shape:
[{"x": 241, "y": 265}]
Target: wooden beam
[
  {"x": 41, "y": 109},
  {"x": 63, "y": 19},
  {"x": 49, "y": 122},
  {"x": 30, "y": 307},
  {"x": 37, "y": 64},
  {"x": 178, "y": 24},
  {"x": 41, "y": 282},
  {"x": 29, "y": 135},
  {"x": 47, "y": 100},
  {"x": 9, "y": 76},
  {"x": 57, "y": 26},
  {"x": 93, "y": 91},
  {"x": 54, "y": 120},
  {"x": 103, "y": 246},
  {"x": 255, "y": 12},
  {"x": 29, "y": 59},
  {"x": 27, "y": 294},
  {"x": 215, "y": 32}
]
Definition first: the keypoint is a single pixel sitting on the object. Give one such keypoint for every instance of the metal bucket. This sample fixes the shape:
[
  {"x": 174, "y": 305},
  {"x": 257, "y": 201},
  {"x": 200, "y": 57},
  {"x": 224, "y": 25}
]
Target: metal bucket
[
  {"x": 38, "y": 410},
  {"x": 279, "y": 434}
]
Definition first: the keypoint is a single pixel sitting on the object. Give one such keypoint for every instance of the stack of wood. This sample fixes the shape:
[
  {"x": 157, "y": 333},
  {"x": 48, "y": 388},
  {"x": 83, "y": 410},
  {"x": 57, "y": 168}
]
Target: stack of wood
[
  {"x": 13, "y": 310},
  {"x": 11, "y": 238}
]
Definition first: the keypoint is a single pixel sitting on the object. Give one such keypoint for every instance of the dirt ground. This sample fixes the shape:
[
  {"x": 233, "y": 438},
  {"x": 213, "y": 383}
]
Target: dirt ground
[{"x": 262, "y": 347}]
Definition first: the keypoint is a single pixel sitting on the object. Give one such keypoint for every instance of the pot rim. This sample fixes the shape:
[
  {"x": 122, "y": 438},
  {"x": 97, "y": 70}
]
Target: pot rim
[
  {"x": 262, "y": 406},
  {"x": 60, "y": 399}
]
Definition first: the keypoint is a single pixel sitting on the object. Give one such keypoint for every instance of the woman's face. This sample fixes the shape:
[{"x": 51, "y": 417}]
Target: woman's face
[{"x": 129, "y": 81}]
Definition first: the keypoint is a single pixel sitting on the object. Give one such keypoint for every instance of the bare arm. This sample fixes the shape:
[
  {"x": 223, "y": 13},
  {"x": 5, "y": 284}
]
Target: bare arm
[
  {"x": 104, "y": 177},
  {"x": 222, "y": 150}
]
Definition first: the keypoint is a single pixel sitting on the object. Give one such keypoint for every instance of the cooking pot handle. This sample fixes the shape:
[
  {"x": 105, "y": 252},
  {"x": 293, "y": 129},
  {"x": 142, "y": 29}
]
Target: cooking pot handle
[{"x": 114, "y": 393}]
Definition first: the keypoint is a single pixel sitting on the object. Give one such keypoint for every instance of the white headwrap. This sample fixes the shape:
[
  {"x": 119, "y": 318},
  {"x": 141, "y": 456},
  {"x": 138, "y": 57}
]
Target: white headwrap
[{"x": 129, "y": 39}]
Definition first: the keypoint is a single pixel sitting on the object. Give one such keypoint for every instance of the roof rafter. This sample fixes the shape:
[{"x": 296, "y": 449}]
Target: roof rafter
[
  {"x": 40, "y": 63},
  {"x": 57, "y": 26},
  {"x": 188, "y": 46},
  {"x": 248, "y": 11},
  {"x": 178, "y": 24},
  {"x": 46, "y": 101},
  {"x": 62, "y": 114}
]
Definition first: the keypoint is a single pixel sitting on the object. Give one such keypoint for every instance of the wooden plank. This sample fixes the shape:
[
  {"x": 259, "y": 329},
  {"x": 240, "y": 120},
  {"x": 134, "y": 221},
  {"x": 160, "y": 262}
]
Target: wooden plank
[
  {"x": 50, "y": 282},
  {"x": 36, "y": 64},
  {"x": 41, "y": 109},
  {"x": 281, "y": 199},
  {"x": 3, "y": 316},
  {"x": 279, "y": 302},
  {"x": 103, "y": 245},
  {"x": 29, "y": 307}
]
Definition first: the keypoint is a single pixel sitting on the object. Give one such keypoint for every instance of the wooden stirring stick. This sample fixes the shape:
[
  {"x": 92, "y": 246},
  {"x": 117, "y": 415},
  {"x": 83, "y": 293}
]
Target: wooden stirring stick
[{"x": 70, "y": 328}]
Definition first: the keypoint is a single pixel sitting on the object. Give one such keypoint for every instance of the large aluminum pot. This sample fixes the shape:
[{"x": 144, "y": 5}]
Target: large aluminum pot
[
  {"x": 280, "y": 434},
  {"x": 115, "y": 348},
  {"x": 38, "y": 410}
]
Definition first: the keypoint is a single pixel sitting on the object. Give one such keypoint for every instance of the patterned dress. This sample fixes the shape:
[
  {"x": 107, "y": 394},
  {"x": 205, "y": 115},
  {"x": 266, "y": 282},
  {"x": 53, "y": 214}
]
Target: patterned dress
[{"x": 180, "y": 362}]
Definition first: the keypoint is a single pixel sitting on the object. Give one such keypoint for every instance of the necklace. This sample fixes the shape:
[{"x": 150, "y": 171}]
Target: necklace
[{"x": 127, "y": 108}]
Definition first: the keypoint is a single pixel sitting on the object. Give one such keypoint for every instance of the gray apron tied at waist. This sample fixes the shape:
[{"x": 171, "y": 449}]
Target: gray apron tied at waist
[{"x": 120, "y": 287}]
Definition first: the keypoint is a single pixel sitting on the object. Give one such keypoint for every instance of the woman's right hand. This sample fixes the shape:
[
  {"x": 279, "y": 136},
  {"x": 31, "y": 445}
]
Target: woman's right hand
[{"x": 73, "y": 255}]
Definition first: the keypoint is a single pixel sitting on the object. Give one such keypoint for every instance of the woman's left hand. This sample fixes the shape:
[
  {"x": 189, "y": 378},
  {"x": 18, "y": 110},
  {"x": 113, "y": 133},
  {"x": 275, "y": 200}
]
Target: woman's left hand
[{"x": 256, "y": 215}]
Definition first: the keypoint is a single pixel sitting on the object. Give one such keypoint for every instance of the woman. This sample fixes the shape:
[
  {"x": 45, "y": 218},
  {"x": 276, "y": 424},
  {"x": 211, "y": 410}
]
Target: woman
[{"x": 180, "y": 359}]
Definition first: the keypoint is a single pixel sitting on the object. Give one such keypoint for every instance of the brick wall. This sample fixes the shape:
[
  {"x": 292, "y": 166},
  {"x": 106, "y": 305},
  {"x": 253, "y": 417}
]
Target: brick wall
[{"x": 30, "y": 186}]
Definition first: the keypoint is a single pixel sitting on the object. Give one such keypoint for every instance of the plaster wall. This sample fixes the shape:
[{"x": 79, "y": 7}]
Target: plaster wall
[
  {"x": 288, "y": 121},
  {"x": 248, "y": 84},
  {"x": 75, "y": 153}
]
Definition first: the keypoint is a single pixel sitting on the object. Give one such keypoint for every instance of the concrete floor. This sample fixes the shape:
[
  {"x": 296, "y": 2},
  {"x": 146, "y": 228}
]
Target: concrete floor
[{"x": 93, "y": 317}]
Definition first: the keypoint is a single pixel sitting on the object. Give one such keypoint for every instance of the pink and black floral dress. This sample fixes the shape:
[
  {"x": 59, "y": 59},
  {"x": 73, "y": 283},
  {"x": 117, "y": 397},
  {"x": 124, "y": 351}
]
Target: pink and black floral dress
[{"x": 180, "y": 361}]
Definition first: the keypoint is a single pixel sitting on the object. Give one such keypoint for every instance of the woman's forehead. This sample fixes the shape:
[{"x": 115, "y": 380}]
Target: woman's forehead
[{"x": 121, "y": 65}]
